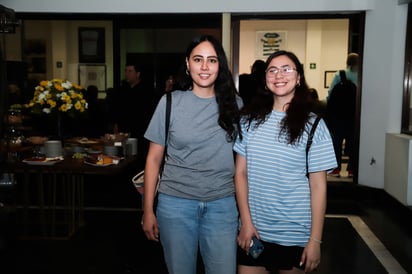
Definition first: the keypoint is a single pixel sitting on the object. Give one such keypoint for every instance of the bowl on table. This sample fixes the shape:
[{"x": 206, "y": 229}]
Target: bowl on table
[{"x": 37, "y": 140}]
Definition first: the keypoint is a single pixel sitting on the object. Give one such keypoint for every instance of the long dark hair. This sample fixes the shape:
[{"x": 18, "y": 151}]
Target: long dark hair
[
  {"x": 225, "y": 89},
  {"x": 298, "y": 111}
]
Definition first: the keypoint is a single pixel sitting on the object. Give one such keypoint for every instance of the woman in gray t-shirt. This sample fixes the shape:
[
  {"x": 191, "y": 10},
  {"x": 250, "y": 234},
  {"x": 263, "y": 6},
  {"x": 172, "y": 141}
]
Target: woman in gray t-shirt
[{"x": 196, "y": 207}]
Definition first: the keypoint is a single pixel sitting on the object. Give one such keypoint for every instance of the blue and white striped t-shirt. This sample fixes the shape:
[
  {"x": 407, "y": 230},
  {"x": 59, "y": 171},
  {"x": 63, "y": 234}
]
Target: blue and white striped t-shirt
[{"x": 279, "y": 194}]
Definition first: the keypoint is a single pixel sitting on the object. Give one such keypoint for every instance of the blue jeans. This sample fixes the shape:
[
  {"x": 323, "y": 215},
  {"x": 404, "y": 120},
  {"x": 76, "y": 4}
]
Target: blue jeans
[{"x": 187, "y": 226}]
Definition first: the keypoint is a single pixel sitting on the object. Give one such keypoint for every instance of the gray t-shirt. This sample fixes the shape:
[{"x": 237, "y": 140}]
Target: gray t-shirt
[{"x": 200, "y": 162}]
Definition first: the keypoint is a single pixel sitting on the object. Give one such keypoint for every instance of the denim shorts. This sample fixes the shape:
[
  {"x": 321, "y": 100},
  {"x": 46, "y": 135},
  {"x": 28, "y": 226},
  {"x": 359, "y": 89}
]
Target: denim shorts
[
  {"x": 274, "y": 257},
  {"x": 187, "y": 227}
]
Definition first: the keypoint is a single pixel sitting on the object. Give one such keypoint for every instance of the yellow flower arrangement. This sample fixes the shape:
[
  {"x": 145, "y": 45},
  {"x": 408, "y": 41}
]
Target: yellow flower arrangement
[{"x": 57, "y": 95}]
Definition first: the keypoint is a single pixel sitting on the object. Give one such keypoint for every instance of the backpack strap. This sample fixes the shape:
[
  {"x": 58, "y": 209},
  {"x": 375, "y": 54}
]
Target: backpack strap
[
  {"x": 309, "y": 143},
  {"x": 168, "y": 110},
  {"x": 342, "y": 75},
  {"x": 167, "y": 124}
]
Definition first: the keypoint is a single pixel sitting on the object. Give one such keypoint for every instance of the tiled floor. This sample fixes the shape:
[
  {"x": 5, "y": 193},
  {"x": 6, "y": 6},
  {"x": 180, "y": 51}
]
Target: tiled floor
[{"x": 366, "y": 231}]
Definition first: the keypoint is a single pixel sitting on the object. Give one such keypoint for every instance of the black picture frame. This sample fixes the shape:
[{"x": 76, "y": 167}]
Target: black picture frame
[
  {"x": 92, "y": 45},
  {"x": 329, "y": 74}
]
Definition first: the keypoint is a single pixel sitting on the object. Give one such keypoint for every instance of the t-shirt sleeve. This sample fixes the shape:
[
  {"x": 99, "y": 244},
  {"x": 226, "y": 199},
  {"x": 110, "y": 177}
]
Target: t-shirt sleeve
[
  {"x": 155, "y": 132},
  {"x": 335, "y": 80},
  {"x": 322, "y": 154},
  {"x": 240, "y": 145}
]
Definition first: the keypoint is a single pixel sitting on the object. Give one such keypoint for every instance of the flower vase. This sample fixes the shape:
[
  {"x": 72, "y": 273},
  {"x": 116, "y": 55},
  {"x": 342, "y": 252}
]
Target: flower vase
[{"x": 59, "y": 127}]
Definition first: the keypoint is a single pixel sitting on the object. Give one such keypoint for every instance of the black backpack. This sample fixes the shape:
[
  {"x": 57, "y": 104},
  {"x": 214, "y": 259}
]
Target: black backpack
[{"x": 342, "y": 100}]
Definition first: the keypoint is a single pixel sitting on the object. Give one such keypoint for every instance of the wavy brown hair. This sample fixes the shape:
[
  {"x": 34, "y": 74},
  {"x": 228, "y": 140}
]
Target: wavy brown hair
[
  {"x": 298, "y": 111},
  {"x": 225, "y": 90}
]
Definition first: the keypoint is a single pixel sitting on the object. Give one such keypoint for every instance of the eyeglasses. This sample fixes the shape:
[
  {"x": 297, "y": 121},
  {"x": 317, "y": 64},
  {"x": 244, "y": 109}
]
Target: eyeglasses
[{"x": 272, "y": 71}]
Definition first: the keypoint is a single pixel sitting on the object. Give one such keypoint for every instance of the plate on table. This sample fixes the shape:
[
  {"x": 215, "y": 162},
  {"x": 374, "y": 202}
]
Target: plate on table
[
  {"x": 42, "y": 161},
  {"x": 84, "y": 141},
  {"x": 93, "y": 160},
  {"x": 100, "y": 165}
]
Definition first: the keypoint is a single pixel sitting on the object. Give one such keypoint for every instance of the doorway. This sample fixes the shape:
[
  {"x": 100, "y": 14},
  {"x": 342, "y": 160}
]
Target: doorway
[{"x": 300, "y": 34}]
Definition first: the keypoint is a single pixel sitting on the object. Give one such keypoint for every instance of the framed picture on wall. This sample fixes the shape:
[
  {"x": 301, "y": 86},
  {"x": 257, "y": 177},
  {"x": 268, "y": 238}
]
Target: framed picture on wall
[
  {"x": 328, "y": 77},
  {"x": 268, "y": 42},
  {"x": 93, "y": 74},
  {"x": 92, "y": 45}
]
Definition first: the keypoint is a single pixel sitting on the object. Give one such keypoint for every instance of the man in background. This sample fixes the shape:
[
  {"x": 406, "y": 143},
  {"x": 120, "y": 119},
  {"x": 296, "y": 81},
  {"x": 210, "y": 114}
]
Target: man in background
[
  {"x": 133, "y": 104},
  {"x": 341, "y": 113}
]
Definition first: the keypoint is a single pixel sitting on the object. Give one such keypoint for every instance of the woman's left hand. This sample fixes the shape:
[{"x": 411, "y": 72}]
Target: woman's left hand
[
  {"x": 245, "y": 235},
  {"x": 311, "y": 256}
]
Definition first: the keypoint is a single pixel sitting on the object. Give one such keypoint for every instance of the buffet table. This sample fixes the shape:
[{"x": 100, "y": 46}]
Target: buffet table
[{"x": 51, "y": 199}]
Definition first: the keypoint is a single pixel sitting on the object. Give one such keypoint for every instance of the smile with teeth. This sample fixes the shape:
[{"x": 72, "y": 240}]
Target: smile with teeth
[{"x": 281, "y": 84}]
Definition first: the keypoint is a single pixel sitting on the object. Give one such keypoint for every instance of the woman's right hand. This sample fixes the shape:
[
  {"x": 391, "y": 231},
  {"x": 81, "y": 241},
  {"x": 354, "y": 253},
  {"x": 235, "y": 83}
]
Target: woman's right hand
[
  {"x": 151, "y": 176},
  {"x": 150, "y": 227}
]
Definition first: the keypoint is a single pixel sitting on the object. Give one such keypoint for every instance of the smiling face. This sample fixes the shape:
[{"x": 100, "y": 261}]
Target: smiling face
[
  {"x": 203, "y": 66},
  {"x": 282, "y": 77}
]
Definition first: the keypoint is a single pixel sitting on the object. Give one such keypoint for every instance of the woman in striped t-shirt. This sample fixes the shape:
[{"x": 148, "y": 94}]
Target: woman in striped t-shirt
[{"x": 278, "y": 203}]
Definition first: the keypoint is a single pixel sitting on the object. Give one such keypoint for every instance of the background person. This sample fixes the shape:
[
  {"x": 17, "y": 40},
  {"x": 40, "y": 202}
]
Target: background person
[
  {"x": 169, "y": 83},
  {"x": 95, "y": 124},
  {"x": 318, "y": 106},
  {"x": 249, "y": 83},
  {"x": 277, "y": 202},
  {"x": 133, "y": 104},
  {"x": 196, "y": 204},
  {"x": 342, "y": 124}
]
